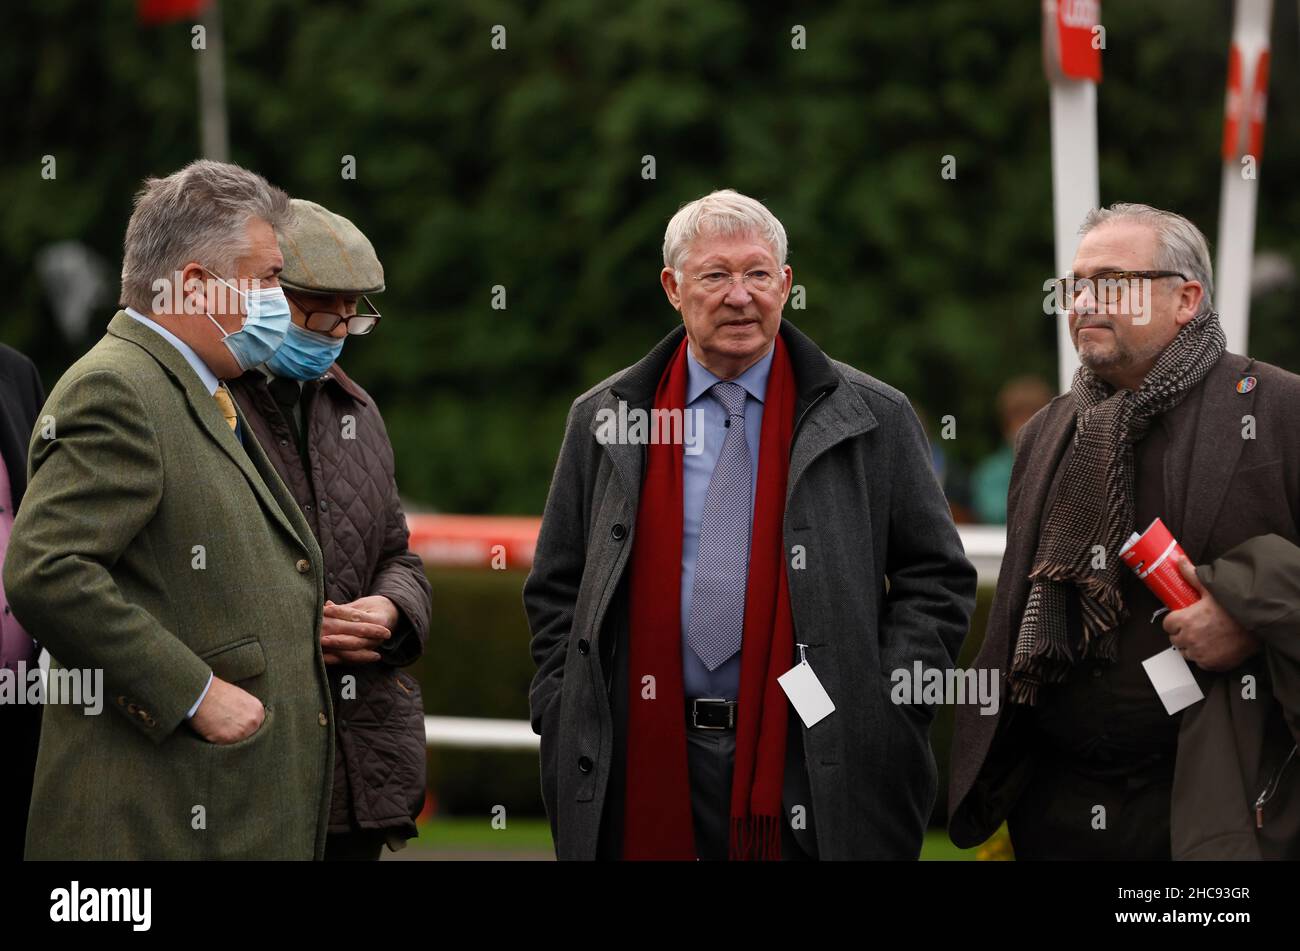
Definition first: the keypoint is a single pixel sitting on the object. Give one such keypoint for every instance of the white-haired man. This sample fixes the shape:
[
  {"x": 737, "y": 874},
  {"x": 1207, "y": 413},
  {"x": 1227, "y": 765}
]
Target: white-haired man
[
  {"x": 778, "y": 510},
  {"x": 1085, "y": 762},
  {"x": 156, "y": 546}
]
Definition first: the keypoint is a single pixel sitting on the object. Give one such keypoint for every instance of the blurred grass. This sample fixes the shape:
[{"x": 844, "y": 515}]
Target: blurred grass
[{"x": 475, "y": 838}]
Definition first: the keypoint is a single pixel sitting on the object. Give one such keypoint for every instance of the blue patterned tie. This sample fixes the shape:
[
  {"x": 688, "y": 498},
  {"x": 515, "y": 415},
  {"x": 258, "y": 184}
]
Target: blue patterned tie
[{"x": 717, "y": 615}]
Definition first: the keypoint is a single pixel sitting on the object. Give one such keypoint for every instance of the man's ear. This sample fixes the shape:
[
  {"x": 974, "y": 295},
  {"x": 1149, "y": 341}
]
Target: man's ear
[
  {"x": 1189, "y": 302},
  {"x": 193, "y": 291},
  {"x": 668, "y": 278}
]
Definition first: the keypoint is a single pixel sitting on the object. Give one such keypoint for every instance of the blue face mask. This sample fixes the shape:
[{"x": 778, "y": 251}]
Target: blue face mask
[
  {"x": 305, "y": 355},
  {"x": 268, "y": 320}
]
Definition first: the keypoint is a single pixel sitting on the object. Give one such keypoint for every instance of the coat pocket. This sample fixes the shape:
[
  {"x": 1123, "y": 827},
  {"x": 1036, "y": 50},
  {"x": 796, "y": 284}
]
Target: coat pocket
[
  {"x": 252, "y": 739},
  {"x": 239, "y": 660}
]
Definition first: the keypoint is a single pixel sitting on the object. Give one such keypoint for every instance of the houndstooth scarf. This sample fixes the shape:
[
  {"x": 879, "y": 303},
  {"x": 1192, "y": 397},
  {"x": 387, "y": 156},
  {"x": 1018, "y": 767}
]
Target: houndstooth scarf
[{"x": 1094, "y": 506}]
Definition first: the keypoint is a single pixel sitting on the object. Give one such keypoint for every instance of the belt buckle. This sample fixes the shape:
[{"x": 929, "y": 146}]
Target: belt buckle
[{"x": 695, "y": 708}]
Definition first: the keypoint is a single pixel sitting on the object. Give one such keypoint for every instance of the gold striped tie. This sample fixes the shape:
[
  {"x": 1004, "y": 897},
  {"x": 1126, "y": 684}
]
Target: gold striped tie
[{"x": 226, "y": 405}]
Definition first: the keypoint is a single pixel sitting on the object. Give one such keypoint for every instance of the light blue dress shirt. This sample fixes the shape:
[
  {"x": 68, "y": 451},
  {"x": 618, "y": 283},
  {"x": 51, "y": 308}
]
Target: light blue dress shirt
[
  {"x": 211, "y": 382},
  {"x": 697, "y": 471}
]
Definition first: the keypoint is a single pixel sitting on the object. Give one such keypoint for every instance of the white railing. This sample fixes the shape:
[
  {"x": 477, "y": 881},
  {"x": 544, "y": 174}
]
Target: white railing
[{"x": 479, "y": 733}]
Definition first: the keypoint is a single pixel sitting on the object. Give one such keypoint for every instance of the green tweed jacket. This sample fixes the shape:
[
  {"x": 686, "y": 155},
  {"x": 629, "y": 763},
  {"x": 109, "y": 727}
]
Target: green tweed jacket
[{"x": 152, "y": 546}]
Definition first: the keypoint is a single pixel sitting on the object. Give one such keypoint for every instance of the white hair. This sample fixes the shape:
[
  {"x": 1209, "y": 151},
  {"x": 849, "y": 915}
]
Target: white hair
[
  {"x": 199, "y": 213},
  {"x": 1180, "y": 246},
  {"x": 724, "y": 212}
]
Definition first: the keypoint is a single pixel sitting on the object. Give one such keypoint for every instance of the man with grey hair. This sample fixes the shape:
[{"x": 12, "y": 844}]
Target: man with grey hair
[
  {"x": 683, "y": 587},
  {"x": 157, "y": 546},
  {"x": 1090, "y": 759}
]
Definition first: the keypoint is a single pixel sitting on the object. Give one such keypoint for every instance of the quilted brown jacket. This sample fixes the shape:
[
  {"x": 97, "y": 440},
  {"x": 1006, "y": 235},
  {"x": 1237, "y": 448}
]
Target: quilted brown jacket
[{"x": 349, "y": 497}]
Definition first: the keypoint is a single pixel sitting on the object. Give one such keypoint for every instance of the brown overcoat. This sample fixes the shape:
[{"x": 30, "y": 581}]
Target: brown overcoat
[{"x": 1233, "y": 464}]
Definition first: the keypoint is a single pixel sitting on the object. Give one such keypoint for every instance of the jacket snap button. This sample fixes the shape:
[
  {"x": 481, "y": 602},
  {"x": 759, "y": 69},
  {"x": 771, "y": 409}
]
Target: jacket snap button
[
  {"x": 303, "y": 566},
  {"x": 322, "y": 719},
  {"x": 618, "y": 531},
  {"x": 583, "y": 647},
  {"x": 584, "y": 764},
  {"x": 324, "y": 506}
]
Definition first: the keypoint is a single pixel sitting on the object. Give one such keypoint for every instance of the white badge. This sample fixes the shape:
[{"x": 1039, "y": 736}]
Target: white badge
[
  {"x": 806, "y": 693},
  {"x": 1173, "y": 680}
]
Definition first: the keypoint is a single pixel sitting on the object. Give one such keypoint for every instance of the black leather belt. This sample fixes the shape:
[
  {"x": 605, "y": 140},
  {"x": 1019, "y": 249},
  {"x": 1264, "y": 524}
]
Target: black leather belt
[{"x": 707, "y": 714}]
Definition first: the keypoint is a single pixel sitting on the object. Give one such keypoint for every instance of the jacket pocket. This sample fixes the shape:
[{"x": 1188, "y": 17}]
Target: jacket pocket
[
  {"x": 236, "y": 661},
  {"x": 1271, "y": 787},
  {"x": 250, "y": 740}
]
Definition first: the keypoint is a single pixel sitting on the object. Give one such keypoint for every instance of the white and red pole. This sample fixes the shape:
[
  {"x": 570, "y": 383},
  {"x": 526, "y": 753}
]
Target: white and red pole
[
  {"x": 1243, "y": 143},
  {"x": 1072, "y": 44}
]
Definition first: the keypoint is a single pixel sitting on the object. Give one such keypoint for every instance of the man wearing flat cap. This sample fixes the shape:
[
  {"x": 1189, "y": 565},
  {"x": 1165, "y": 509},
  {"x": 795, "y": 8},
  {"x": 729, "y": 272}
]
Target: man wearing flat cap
[
  {"x": 677, "y": 581},
  {"x": 327, "y": 441}
]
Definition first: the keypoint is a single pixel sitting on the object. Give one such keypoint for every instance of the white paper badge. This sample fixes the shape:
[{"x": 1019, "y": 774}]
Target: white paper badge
[
  {"x": 806, "y": 693},
  {"x": 1173, "y": 680}
]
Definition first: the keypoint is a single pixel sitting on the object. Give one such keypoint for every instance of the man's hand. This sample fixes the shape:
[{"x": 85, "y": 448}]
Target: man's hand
[
  {"x": 227, "y": 714},
  {"x": 352, "y": 633},
  {"x": 1205, "y": 633}
]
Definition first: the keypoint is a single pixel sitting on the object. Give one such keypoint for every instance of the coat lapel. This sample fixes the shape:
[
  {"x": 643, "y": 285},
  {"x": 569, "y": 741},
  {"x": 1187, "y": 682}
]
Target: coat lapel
[
  {"x": 1213, "y": 457},
  {"x": 205, "y": 412},
  {"x": 1050, "y": 446},
  {"x": 839, "y": 415},
  {"x": 627, "y": 458}
]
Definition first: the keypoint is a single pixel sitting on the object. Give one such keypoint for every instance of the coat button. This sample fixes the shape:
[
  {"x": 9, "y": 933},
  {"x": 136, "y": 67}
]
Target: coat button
[
  {"x": 583, "y": 647},
  {"x": 618, "y": 531},
  {"x": 324, "y": 505},
  {"x": 584, "y": 764},
  {"x": 322, "y": 719},
  {"x": 303, "y": 566}
]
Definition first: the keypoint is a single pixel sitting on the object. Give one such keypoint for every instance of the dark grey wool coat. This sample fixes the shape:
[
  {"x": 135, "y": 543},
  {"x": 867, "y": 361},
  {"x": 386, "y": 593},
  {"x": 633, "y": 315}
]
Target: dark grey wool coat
[{"x": 886, "y": 583}]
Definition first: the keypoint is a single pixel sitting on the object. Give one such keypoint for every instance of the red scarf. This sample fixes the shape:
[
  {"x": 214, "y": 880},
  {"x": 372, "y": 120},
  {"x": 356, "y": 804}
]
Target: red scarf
[{"x": 658, "y": 823}]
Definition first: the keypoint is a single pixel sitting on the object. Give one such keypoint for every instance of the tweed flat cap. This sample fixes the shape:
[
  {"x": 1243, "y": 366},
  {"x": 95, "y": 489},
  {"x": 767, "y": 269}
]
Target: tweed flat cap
[{"x": 324, "y": 253}]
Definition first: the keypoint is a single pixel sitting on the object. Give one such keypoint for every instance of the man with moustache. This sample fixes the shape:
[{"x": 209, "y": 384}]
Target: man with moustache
[
  {"x": 1160, "y": 422},
  {"x": 670, "y": 590}
]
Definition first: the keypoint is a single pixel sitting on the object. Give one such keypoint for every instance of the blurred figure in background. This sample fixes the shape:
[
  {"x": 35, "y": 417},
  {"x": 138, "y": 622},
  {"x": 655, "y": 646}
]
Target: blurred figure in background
[
  {"x": 327, "y": 441},
  {"x": 1018, "y": 400},
  {"x": 21, "y": 398}
]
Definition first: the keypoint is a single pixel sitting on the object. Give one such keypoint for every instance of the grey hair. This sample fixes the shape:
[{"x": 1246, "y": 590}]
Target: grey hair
[
  {"x": 1180, "y": 246},
  {"x": 199, "y": 213},
  {"x": 725, "y": 212}
]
